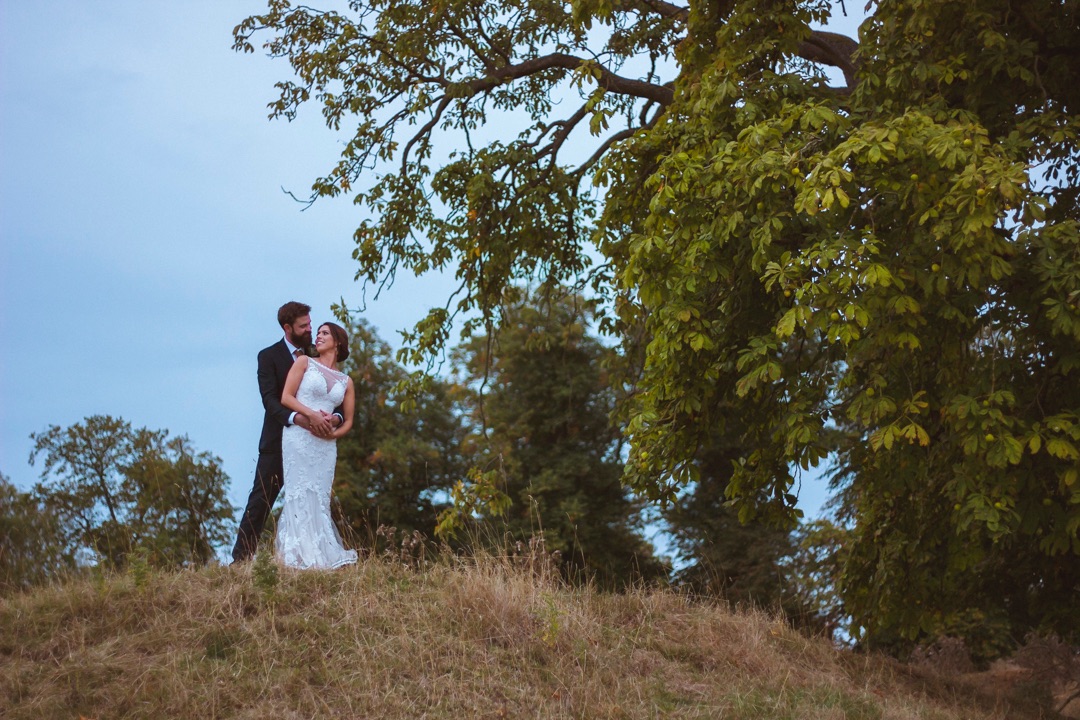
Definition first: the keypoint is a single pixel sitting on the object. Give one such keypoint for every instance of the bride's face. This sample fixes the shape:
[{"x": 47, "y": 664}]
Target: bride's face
[{"x": 324, "y": 340}]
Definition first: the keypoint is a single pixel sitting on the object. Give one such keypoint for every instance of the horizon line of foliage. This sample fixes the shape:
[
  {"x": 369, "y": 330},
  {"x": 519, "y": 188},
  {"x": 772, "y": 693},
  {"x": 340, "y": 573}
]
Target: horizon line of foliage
[
  {"x": 885, "y": 276},
  {"x": 109, "y": 493},
  {"x": 533, "y": 402}
]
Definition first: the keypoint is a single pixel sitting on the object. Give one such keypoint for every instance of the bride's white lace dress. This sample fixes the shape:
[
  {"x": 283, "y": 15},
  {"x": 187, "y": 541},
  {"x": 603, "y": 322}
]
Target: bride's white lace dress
[{"x": 306, "y": 536}]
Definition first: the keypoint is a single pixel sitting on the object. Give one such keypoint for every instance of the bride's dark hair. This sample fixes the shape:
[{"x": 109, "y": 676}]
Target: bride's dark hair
[{"x": 340, "y": 339}]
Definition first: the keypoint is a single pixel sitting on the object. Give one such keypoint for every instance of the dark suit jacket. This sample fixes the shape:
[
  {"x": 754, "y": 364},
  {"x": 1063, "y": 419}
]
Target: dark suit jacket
[{"x": 274, "y": 364}]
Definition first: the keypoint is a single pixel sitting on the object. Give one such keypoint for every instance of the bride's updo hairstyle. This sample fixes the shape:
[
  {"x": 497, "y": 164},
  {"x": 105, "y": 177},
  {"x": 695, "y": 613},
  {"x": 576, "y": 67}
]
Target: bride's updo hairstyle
[{"x": 340, "y": 339}]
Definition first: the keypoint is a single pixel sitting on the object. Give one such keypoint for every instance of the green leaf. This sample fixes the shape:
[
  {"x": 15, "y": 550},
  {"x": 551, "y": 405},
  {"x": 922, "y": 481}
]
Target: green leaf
[
  {"x": 786, "y": 326},
  {"x": 1062, "y": 449}
]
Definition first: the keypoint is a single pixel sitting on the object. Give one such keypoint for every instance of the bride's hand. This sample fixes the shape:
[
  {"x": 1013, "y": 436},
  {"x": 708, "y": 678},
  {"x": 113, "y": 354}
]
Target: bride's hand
[{"x": 320, "y": 425}]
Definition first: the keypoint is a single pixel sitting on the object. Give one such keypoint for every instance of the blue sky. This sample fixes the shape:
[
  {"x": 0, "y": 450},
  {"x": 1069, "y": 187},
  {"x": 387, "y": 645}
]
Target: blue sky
[{"x": 145, "y": 241}]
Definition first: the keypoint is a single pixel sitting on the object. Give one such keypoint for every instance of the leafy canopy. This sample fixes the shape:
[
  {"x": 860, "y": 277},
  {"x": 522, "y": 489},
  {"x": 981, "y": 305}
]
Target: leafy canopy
[
  {"x": 33, "y": 547},
  {"x": 425, "y": 83},
  {"x": 114, "y": 489},
  {"x": 886, "y": 274}
]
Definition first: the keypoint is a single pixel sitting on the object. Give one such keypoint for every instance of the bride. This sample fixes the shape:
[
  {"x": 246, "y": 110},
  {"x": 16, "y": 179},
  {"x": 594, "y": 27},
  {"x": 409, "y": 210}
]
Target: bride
[{"x": 306, "y": 536}]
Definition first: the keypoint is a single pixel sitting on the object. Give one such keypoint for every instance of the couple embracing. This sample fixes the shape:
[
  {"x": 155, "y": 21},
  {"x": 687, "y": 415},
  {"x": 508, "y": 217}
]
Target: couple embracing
[{"x": 309, "y": 405}]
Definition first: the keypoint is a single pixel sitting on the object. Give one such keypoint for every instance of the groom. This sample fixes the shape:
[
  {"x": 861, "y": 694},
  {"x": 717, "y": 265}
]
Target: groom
[{"x": 274, "y": 364}]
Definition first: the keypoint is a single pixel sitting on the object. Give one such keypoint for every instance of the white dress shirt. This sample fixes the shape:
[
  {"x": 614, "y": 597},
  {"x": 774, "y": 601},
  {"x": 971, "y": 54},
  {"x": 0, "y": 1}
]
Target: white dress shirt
[{"x": 292, "y": 351}]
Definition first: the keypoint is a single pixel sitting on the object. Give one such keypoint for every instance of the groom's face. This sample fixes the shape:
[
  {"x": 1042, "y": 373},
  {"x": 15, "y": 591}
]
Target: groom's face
[{"x": 300, "y": 332}]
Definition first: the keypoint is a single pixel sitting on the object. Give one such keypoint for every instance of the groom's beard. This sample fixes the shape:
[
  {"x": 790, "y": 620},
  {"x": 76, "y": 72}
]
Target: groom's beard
[{"x": 303, "y": 342}]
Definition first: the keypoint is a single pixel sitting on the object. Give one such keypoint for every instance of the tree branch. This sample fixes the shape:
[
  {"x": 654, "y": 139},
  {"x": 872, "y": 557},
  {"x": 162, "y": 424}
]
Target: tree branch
[
  {"x": 468, "y": 42},
  {"x": 833, "y": 49},
  {"x": 667, "y": 10},
  {"x": 566, "y": 127},
  {"x": 621, "y": 135},
  {"x": 491, "y": 43},
  {"x": 662, "y": 94},
  {"x": 822, "y": 47}
]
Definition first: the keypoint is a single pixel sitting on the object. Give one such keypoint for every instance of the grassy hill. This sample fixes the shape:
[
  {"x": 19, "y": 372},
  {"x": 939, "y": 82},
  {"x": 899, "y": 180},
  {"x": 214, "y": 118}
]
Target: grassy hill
[{"x": 456, "y": 639}]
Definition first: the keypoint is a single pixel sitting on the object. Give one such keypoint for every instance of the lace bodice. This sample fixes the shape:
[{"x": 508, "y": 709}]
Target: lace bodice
[{"x": 321, "y": 388}]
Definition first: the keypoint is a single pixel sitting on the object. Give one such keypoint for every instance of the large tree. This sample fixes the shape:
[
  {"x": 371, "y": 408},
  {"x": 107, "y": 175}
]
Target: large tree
[{"x": 887, "y": 272}]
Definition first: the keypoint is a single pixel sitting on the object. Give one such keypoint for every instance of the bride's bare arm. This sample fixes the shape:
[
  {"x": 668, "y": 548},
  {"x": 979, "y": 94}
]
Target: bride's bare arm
[
  {"x": 314, "y": 418},
  {"x": 314, "y": 421},
  {"x": 348, "y": 405},
  {"x": 292, "y": 384}
]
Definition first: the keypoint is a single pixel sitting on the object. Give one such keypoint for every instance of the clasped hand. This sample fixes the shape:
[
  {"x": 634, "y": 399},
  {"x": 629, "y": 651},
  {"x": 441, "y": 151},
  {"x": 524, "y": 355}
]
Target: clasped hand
[{"x": 322, "y": 425}]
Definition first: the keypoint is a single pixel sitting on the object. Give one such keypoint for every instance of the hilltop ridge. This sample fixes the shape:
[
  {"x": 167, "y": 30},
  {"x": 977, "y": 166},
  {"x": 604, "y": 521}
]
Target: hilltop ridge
[{"x": 454, "y": 639}]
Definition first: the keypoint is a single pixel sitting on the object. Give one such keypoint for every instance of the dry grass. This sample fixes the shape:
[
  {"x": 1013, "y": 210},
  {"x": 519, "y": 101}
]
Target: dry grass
[{"x": 456, "y": 639}]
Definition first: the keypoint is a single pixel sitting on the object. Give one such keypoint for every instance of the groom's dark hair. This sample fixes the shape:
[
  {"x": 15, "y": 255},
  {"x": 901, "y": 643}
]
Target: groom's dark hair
[{"x": 287, "y": 313}]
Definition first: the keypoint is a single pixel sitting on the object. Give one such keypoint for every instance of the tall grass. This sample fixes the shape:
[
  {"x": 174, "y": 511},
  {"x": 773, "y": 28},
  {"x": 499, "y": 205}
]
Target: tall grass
[{"x": 491, "y": 637}]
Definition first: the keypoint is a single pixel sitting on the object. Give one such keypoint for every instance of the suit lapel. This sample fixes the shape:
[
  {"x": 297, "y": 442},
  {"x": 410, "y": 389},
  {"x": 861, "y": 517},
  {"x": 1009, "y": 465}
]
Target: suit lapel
[{"x": 284, "y": 362}]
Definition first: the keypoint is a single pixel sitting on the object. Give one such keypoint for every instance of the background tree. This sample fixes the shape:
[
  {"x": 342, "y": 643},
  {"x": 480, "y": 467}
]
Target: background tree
[
  {"x": 398, "y": 464},
  {"x": 898, "y": 259},
  {"x": 812, "y": 575},
  {"x": 114, "y": 488},
  {"x": 32, "y": 547},
  {"x": 723, "y": 556},
  {"x": 180, "y": 513},
  {"x": 540, "y": 402}
]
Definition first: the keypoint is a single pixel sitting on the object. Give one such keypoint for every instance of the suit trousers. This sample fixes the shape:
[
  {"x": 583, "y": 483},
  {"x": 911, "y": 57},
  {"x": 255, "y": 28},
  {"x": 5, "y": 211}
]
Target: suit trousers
[{"x": 269, "y": 478}]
